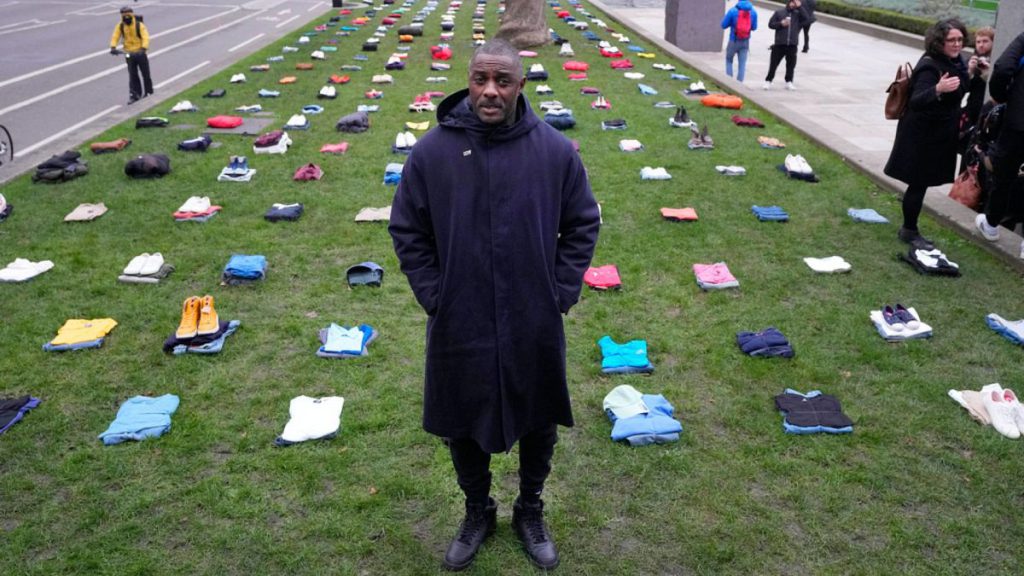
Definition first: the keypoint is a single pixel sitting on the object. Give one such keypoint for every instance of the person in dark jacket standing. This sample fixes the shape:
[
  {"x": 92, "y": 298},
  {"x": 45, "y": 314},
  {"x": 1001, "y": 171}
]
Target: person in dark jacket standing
[
  {"x": 809, "y": 6},
  {"x": 1006, "y": 86},
  {"x": 787, "y": 23},
  {"x": 135, "y": 37},
  {"x": 494, "y": 225},
  {"x": 924, "y": 152}
]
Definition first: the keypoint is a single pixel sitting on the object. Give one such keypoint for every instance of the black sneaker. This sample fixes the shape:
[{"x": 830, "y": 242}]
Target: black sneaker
[
  {"x": 528, "y": 521},
  {"x": 914, "y": 238},
  {"x": 132, "y": 100},
  {"x": 479, "y": 523},
  {"x": 681, "y": 116}
]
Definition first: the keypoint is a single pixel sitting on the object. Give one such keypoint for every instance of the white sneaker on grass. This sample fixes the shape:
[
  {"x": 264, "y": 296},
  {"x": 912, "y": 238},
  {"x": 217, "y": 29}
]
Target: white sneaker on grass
[{"x": 1002, "y": 414}]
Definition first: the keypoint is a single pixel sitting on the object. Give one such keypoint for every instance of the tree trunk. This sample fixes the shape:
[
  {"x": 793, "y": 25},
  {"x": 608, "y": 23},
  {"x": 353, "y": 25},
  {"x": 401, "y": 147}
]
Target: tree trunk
[{"x": 523, "y": 24}]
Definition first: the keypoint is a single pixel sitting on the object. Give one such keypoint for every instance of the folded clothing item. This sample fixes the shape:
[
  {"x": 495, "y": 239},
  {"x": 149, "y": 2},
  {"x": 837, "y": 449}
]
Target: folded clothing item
[
  {"x": 81, "y": 331},
  {"x": 867, "y": 215},
  {"x": 770, "y": 213},
  {"x": 679, "y": 214},
  {"x": 111, "y": 146},
  {"x": 722, "y": 101},
  {"x": 163, "y": 272},
  {"x": 828, "y": 265},
  {"x": 640, "y": 419},
  {"x": 714, "y": 276},
  {"x": 560, "y": 119},
  {"x": 279, "y": 212},
  {"x": 812, "y": 413},
  {"x": 141, "y": 417},
  {"x": 216, "y": 93},
  {"x": 311, "y": 419},
  {"x": 148, "y": 166},
  {"x": 628, "y": 358},
  {"x": 61, "y": 168},
  {"x": 769, "y": 142},
  {"x": 393, "y": 173},
  {"x": 22, "y": 269},
  {"x": 659, "y": 173},
  {"x": 766, "y": 343},
  {"x": 629, "y": 145},
  {"x": 339, "y": 148},
  {"x": 355, "y": 122},
  {"x": 374, "y": 214},
  {"x": 151, "y": 122},
  {"x": 647, "y": 90},
  {"x": 749, "y": 122},
  {"x": 931, "y": 262},
  {"x": 197, "y": 144},
  {"x": 224, "y": 122},
  {"x": 186, "y": 106},
  {"x": 613, "y": 124},
  {"x": 345, "y": 341},
  {"x": 245, "y": 267},
  {"x": 86, "y": 212},
  {"x": 603, "y": 277},
  {"x": 308, "y": 172},
  {"x": 12, "y": 410}
]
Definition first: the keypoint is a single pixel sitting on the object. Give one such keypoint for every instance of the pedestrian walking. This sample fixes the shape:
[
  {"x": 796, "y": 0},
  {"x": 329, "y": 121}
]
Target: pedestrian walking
[
  {"x": 132, "y": 33},
  {"x": 810, "y": 6},
  {"x": 494, "y": 225},
  {"x": 787, "y": 22},
  {"x": 924, "y": 152},
  {"x": 741, "y": 20}
]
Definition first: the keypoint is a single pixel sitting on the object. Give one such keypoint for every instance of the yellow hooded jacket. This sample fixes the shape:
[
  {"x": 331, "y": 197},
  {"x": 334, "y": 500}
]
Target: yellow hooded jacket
[{"x": 136, "y": 37}]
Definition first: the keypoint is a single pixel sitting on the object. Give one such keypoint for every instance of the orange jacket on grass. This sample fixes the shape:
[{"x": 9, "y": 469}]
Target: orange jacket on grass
[{"x": 722, "y": 101}]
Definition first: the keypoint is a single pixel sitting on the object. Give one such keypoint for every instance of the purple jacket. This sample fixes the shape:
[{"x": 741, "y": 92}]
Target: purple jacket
[{"x": 494, "y": 228}]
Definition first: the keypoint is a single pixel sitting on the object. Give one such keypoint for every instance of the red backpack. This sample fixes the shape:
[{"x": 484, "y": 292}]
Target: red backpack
[{"x": 742, "y": 24}]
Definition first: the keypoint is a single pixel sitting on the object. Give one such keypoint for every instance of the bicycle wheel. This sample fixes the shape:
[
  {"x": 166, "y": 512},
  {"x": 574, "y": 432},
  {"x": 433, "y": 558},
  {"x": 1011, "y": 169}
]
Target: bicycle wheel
[{"x": 6, "y": 146}]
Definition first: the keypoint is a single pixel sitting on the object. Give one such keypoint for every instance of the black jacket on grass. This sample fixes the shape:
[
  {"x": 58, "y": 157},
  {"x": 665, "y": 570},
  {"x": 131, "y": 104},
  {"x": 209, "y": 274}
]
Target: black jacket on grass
[
  {"x": 494, "y": 226},
  {"x": 924, "y": 152}
]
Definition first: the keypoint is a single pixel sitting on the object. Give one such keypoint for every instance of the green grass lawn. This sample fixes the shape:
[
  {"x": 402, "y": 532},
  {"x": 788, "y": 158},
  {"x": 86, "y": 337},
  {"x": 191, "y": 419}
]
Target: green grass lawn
[{"x": 918, "y": 488}]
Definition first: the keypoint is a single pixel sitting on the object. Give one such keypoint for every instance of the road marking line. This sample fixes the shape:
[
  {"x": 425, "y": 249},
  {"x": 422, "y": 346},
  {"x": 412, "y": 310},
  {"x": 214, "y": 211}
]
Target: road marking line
[
  {"x": 39, "y": 25},
  {"x": 110, "y": 71},
  {"x": 253, "y": 39},
  {"x": 17, "y": 24},
  {"x": 63, "y": 132},
  {"x": 103, "y": 52},
  {"x": 185, "y": 73},
  {"x": 288, "y": 20},
  {"x": 285, "y": 11},
  {"x": 314, "y": 6}
]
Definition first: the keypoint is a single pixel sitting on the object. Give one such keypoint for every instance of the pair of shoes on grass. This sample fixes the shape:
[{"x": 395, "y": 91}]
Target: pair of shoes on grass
[
  {"x": 480, "y": 522},
  {"x": 899, "y": 318},
  {"x": 198, "y": 318},
  {"x": 1005, "y": 411}
]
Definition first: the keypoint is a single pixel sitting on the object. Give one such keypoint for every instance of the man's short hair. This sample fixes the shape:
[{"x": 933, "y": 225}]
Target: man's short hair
[
  {"x": 986, "y": 31},
  {"x": 127, "y": 10},
  {"x": 500, "y": 47}
]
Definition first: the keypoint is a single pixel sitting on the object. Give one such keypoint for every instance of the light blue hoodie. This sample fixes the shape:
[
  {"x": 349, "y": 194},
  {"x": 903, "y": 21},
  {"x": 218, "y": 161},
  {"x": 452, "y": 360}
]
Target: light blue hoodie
[{"x": 729, "y": 21}]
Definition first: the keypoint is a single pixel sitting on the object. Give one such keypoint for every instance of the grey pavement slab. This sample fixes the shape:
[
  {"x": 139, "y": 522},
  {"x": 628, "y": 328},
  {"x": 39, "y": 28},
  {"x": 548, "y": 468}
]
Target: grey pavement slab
[{"x": 839, "y": 98}]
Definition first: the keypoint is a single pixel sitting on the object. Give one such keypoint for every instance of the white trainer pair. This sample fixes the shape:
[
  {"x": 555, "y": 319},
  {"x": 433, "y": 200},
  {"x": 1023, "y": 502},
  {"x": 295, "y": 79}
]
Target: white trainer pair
[
  {"x": 144, "y": 264},
  {"x": 405, "y": 140},
  {"x": 1005, "y": 411}
]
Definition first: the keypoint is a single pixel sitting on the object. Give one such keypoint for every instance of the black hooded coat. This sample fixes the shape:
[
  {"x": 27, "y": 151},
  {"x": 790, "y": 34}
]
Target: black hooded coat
[{"x": 494, "y": 228}]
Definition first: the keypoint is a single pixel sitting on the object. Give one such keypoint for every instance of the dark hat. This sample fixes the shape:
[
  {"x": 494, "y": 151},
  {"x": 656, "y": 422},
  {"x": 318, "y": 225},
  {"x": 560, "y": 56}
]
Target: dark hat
[
  {"x": 365, "y": 274},
  {"x": 127, "y": 9}
]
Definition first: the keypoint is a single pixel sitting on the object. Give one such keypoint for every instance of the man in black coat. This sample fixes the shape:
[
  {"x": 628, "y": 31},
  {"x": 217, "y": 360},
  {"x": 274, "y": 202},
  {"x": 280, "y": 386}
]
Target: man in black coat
[
  {"x": 494, "y": 225},
  {"x": 1006, "y": 85},
  {"x": 786, "y": 22}
]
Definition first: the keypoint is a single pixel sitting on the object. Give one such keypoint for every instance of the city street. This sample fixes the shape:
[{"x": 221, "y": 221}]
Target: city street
[{"x": 59, "y": 85}]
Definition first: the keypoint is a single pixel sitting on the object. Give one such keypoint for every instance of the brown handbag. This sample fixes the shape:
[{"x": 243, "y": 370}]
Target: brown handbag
[
  {"x": 966, "y": 189},
  {"x": 898, "y": 93}
]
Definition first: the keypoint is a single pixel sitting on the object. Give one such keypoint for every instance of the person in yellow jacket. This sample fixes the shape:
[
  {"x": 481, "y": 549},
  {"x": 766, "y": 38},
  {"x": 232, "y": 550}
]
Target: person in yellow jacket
[{"x": 132, "y": 32}]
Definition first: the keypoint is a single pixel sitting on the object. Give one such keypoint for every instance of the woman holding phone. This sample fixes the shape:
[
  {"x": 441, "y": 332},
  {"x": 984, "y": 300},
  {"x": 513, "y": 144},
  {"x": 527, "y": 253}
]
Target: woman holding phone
[{"x": 925, "y": 149}]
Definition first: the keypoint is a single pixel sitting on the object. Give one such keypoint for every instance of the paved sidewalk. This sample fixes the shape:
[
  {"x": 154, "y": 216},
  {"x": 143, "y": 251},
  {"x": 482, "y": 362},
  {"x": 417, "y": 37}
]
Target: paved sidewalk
[{"x": 839, "y": 99}]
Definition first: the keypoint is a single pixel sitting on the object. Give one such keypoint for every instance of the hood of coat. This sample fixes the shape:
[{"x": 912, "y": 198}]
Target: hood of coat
[
  {"x": 744, "y": 5},
  {"x": 455, "y": 112}
]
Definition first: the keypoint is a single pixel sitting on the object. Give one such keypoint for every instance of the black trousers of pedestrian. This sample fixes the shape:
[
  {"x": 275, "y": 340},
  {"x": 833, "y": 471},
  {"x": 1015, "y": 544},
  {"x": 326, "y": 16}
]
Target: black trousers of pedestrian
[
  {"x": 473, "y": 465},
  {"x": 913, "y": 201},
  {"x": 807, "y": 41},
  {"x": 1006, "y": 163},
  {"x": 138, "y": 63},
  {"x": 780, "y": 51}
]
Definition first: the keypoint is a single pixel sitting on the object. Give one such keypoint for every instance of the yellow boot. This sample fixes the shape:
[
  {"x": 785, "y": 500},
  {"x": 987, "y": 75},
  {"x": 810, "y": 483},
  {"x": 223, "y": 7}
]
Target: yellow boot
[
  {"x": 209, "y": 323},
  {"x": 189, "y": 325}
]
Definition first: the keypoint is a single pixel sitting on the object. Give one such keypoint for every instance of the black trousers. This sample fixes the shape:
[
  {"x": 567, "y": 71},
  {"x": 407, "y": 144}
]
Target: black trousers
[
  {"x": 807, "y": 31},
  {"x": 138, "y": 63},
  {"x": 473, "y": 465},
  {"x": 1007, "y": 157},
  {"x": 780, "y": 51}
]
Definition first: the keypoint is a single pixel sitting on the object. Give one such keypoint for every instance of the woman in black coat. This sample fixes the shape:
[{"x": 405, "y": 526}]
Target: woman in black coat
[{"x": 924, "y": 153}]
